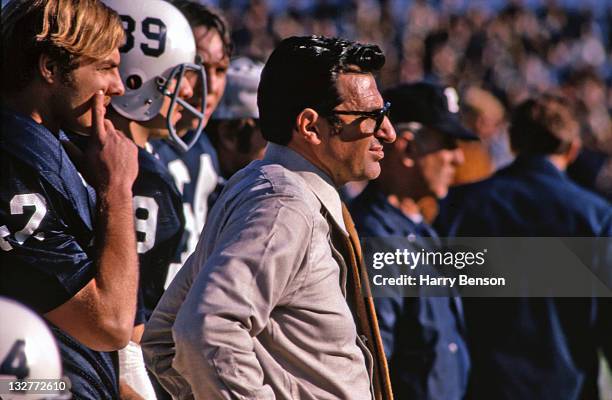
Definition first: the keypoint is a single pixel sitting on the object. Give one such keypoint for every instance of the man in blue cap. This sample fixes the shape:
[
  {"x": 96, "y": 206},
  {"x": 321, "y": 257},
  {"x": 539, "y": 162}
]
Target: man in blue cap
[{"x": 423, "y": 336}]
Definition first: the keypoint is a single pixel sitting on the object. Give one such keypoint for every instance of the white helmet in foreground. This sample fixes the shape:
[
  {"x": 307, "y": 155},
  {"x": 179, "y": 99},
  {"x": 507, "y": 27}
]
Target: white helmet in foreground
[
  {"x": 159, "y": 48},
  {"x": 30, "y": 363}
]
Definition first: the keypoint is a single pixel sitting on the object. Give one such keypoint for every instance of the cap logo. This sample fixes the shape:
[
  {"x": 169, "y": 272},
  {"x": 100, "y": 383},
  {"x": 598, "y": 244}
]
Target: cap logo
[{"x": 452, "y": 99}]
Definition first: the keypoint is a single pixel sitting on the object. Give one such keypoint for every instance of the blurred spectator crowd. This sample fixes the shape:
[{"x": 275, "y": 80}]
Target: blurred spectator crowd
[{"x": 510, "y": 50}]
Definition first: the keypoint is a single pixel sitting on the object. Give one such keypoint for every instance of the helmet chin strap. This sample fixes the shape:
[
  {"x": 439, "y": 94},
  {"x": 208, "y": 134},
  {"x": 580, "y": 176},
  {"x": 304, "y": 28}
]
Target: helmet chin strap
[{"x": 178, "y": 72}]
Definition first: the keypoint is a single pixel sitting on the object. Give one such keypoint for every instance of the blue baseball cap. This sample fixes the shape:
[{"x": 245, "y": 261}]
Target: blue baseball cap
[{"x": 430, "y": 105}]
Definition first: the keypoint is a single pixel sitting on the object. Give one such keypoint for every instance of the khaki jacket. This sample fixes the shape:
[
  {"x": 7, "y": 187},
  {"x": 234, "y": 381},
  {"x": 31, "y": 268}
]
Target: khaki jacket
[{"x": 260, "y": 310}]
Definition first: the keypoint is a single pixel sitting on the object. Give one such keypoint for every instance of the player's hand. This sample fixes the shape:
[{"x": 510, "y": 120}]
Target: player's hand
[{"x": 111, "y": 158}]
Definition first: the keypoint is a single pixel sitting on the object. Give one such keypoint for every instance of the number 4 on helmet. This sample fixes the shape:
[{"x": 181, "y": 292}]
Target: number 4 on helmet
[{"x": 28, "y": 351}]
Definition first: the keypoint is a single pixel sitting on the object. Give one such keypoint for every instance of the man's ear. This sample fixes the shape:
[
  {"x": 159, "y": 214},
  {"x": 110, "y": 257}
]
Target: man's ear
[
  {"x": 307, "y": 127},
  {"x": 47, "y": 68},
  {"x": 405, "y": 146}
]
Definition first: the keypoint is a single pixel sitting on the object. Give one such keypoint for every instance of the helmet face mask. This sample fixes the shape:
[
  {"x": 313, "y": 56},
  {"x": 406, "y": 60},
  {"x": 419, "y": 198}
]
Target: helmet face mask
[
  {"x": 178, "y": 73},
  {"x": 158, "y": 50}
]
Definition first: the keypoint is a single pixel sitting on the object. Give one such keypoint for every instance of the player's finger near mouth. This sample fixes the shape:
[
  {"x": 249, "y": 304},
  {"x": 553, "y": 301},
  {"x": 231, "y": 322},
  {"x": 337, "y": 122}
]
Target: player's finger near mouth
[{"x": 98, "y": 112}]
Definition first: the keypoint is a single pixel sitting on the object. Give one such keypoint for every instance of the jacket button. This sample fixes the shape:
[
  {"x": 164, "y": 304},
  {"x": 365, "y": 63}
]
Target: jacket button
[{"x": 452, "y": 347}]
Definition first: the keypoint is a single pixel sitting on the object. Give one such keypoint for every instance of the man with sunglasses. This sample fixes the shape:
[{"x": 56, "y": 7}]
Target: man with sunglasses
[
  {"x": 271, "y": 305},
  {"x": 422, "y": 336}
]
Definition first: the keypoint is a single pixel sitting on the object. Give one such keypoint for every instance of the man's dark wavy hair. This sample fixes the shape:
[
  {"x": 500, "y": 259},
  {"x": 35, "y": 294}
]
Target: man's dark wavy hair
[{"x": 301, "y": 73}]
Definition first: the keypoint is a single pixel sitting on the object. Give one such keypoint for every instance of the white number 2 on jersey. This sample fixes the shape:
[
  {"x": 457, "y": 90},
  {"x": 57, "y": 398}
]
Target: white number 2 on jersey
[
  {"x": 17, "y": 203},
  {"x": 148, "y": 224}
]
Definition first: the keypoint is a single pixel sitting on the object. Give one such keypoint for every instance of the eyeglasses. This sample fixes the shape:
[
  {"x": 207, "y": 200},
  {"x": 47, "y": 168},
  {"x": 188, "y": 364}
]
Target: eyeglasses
[{"x": 378, "y": 115}]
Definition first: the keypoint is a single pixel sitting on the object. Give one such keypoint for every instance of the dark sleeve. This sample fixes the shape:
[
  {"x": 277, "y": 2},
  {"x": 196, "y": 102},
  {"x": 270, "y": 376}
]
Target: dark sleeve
[{"x": 43, "y": 256}]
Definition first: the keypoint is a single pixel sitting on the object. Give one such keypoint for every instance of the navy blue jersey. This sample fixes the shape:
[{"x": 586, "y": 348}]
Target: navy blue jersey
[
  {"x": 47, "y": 239},
  {"x": 196, "y": 174},
  {"x": 159, "y": 224}
]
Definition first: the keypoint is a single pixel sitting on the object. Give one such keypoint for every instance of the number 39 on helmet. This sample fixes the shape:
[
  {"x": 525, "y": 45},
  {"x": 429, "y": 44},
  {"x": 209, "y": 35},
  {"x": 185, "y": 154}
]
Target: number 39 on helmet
[{"x": 159, "y": 47}]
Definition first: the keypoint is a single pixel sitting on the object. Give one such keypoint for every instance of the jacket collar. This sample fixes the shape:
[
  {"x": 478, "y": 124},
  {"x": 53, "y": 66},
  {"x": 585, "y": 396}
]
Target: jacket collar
[{"x": 318, "y": 181}]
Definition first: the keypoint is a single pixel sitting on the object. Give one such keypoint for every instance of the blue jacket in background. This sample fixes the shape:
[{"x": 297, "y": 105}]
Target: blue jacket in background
[
  {"x": 422, "y": 336},
  {"x": 532, "y": 348}
]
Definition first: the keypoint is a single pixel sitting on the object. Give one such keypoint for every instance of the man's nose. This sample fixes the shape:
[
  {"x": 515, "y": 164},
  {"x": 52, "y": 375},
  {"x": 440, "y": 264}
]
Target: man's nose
[
  {"x": 116, "y": 88},
  {"x": 213, "y": 82},
  {"x": 458, "y": 156},
  {"x": 386, "y": 131},
  {"x": 185, "y": 90}
]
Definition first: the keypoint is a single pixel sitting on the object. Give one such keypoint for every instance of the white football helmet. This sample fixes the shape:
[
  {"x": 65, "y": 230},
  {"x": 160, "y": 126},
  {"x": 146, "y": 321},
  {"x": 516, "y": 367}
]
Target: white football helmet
[
  {"x": 240, "y": 97},
  {"x": 159, "y": 47},
  {"x": 28, "y": 351}
]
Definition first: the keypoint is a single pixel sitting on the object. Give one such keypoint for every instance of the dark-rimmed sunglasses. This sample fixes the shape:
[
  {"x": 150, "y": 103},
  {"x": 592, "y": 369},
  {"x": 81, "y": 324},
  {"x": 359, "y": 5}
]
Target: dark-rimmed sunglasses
[{"x": 377, "y": 115}]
